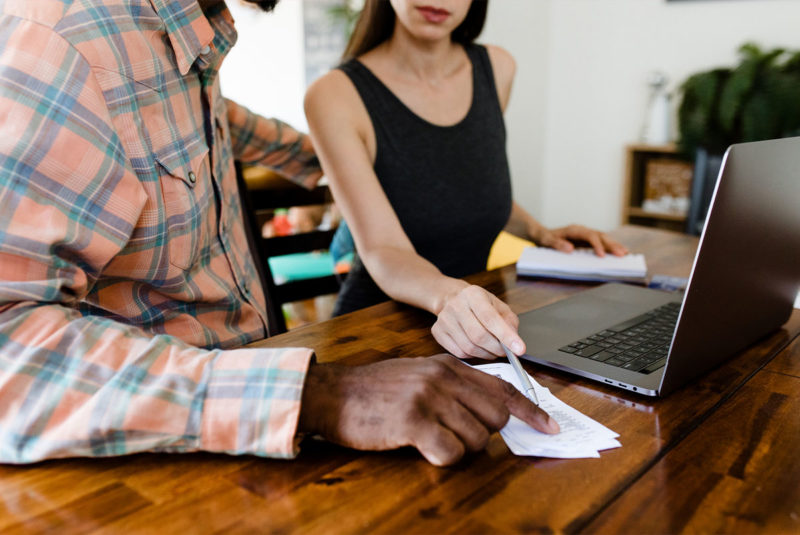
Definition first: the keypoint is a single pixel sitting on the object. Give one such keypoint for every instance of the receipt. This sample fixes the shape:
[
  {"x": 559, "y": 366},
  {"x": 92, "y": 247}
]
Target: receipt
[{"x": 580, "y": 436}]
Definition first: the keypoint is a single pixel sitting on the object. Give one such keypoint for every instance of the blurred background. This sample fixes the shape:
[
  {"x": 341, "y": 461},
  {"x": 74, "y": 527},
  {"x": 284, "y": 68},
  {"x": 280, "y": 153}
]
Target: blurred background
[
  {"x": 620, "y": 111},
  {"x": 583, "y": 89}
]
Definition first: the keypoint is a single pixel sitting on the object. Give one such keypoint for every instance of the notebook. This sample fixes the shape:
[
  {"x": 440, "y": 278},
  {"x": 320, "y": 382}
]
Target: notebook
[
  {"x": 744, "y": 280},
  {"x": 581, "y": 264}
]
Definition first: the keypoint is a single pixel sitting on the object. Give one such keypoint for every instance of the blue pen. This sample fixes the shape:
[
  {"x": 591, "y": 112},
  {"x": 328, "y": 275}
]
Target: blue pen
[{"x": 530, "y": 391}]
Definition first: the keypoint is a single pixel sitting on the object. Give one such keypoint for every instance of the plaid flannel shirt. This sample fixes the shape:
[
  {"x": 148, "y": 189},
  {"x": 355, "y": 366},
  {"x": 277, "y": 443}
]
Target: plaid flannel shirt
[{"x": 125, "y": 277}]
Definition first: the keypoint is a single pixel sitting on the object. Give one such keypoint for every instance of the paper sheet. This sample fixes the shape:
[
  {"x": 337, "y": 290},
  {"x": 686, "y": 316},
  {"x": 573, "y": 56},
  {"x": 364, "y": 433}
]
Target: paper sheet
[
  {"x": 580, "y": 436},
  {"x": 581, "y": 264}
]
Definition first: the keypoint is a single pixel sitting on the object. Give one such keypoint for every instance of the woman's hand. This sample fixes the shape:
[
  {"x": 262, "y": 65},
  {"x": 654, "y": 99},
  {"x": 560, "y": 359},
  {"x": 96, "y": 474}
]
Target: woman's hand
[
  {"x": 562, "y": 238},
  {"x": 472, "y": 323}
]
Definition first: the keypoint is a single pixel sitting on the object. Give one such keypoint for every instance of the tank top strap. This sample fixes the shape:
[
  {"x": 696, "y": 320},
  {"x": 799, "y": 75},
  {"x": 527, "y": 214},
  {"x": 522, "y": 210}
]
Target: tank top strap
[
  {"x": 377, "y": 98},
  {"x": 484, "y": 86}
]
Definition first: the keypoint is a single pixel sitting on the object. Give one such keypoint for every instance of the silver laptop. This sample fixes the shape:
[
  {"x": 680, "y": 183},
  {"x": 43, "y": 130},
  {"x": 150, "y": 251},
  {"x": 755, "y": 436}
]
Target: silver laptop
[{"x": 743, "y": 284}]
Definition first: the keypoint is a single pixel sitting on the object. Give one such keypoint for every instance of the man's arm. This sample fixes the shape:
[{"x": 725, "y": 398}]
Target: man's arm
[
  {"x": 274, "y": 144},
  {"x": 75, "y": 385}
]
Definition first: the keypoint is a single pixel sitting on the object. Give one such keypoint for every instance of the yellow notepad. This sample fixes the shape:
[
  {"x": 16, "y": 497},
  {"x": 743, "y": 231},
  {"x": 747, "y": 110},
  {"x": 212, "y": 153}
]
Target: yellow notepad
[{"x": 506, "y": 250}]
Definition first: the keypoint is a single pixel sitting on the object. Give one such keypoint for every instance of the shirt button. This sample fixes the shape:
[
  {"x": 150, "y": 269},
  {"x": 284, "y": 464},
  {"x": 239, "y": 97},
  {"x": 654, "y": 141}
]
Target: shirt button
[
  {"x": 244, "y": 288},
  {"x": 192, "y": 177},
  {"x": 206, "y": 50}
]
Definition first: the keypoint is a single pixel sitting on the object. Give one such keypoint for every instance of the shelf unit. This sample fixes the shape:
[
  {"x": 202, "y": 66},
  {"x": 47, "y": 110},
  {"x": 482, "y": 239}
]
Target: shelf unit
[{"x": 637, "y": 157}]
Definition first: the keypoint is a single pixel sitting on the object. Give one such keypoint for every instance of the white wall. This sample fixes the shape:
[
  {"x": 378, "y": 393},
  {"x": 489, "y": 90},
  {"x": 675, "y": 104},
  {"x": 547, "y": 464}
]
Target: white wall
[
  {"x": 265, "y": 70},
  {"x": 523, "y": 28},
  {"x": 582, "y": 67}
]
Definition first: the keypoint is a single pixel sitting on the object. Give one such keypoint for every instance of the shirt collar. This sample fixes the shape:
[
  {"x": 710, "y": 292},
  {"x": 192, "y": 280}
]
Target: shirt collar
[{"x": 190, "y": 32}]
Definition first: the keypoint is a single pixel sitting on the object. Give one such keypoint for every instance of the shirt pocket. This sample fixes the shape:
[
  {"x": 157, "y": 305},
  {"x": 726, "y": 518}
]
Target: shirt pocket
[
  {"x": 185, "y": 191},
  {"x": 179, "y": 156},
  {"x": 156, "y": 123}
]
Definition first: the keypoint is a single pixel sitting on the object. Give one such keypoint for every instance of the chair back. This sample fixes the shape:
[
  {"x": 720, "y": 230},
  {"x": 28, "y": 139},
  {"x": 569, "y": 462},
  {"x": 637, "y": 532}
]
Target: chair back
[{"x": 260, "y": 198}]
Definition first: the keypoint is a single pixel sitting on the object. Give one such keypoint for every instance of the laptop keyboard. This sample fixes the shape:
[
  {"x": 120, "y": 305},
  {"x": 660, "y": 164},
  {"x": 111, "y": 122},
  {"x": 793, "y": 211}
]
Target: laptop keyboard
[{"x": 639, "y": 344}]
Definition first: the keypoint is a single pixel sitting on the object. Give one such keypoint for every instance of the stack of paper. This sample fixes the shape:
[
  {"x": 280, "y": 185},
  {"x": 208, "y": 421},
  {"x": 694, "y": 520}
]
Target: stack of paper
[
  {"x": 580, "y": 436},
  {"x": 581, "y": 264}
]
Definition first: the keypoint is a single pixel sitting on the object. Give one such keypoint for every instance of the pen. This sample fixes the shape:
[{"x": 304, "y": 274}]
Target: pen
[{"x": 530, "y": 392}]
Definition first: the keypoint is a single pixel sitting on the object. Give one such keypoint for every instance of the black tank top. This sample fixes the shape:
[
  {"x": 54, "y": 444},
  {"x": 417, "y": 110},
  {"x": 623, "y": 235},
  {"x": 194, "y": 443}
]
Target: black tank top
[{"x": 449, "y": 185}]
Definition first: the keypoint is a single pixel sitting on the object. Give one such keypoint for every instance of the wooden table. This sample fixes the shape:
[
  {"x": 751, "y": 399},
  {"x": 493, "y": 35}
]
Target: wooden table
[{"x": 716, "y": 456}]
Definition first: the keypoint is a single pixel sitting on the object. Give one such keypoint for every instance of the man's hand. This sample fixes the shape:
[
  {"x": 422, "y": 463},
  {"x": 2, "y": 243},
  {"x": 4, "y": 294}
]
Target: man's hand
[
  {"x": 437, "y": 404},
  {"x": 473, "y": 322},
  {"x": 561, "y": 239}
]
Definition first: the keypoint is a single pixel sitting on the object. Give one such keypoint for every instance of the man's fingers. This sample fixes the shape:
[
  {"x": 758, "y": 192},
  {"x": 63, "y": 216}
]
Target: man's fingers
[
  {"x": 488, "y": 409},
  {"x": 513, "y": 399},
  {"x": 438, "y": 445},
  {"x": 464, "y": 423},
  {"x": 528, "y": 412}
]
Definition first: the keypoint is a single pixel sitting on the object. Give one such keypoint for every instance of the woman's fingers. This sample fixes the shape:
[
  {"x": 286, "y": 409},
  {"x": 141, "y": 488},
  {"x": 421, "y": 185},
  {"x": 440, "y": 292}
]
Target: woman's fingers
[
  {"x": 476, "y": 322},
  {"x": 600, "y": 242}
]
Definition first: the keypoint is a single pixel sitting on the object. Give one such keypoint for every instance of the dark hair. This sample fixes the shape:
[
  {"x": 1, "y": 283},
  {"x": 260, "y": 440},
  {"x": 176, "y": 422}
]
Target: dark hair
[
  {"x": 375, "y": 25},
  {"x": 266, "y": 5}
]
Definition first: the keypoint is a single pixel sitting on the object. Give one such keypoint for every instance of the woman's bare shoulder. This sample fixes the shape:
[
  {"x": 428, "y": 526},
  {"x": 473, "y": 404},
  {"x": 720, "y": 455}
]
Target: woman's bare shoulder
[
  {"x": 501, "y": 59},
  {"x": 334, "y": 110},
  {"x": 504, "y": 67},
  {"x": 332, "y": 90}
]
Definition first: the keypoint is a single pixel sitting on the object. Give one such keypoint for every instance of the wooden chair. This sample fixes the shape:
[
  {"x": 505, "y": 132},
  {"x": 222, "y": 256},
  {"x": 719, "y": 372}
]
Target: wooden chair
[{"x": 260, "y": 197}]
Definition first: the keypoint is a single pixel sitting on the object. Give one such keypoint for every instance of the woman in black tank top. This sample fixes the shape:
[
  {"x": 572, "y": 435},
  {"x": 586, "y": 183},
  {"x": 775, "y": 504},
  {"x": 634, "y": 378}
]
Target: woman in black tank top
[{"x": 410, "y": 132}]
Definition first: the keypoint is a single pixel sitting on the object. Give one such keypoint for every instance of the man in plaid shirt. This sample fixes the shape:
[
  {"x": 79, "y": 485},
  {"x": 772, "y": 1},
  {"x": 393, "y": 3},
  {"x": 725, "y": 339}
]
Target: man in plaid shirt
[{"x": 126, "y": 284}]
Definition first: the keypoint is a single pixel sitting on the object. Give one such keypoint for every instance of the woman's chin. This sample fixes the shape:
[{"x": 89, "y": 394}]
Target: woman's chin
[{"x": 430, "y": 34}]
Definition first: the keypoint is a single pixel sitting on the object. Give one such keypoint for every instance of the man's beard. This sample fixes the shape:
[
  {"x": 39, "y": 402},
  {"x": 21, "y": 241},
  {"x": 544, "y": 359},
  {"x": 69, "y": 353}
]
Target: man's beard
[{"x": 266, "y": 5}]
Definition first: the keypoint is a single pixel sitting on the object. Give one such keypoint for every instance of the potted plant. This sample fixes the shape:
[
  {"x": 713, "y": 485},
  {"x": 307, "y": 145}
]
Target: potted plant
[{"x": 755, "y": 100}]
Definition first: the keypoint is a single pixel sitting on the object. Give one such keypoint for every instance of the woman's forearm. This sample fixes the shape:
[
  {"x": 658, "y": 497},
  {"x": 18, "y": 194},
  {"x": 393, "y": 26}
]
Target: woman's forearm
[{"x": 407, "y": 277}]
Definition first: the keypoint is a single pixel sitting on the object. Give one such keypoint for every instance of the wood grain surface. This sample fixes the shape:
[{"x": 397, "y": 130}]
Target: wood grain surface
[{"x": 715, "y": 456}]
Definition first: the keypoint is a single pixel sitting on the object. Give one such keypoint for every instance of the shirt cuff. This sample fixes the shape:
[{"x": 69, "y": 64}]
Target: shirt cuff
[{"x": 252, "y": 401}]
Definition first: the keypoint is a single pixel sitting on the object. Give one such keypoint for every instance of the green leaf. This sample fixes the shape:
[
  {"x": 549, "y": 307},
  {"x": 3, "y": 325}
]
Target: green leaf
[
  {"x": 759, "y": 98},
  {"x": 697, "y": 113}
]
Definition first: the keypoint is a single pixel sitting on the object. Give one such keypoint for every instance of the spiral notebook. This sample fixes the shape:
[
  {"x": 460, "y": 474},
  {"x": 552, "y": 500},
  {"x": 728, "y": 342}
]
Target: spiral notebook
[{"x": 581, "y": 264}]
